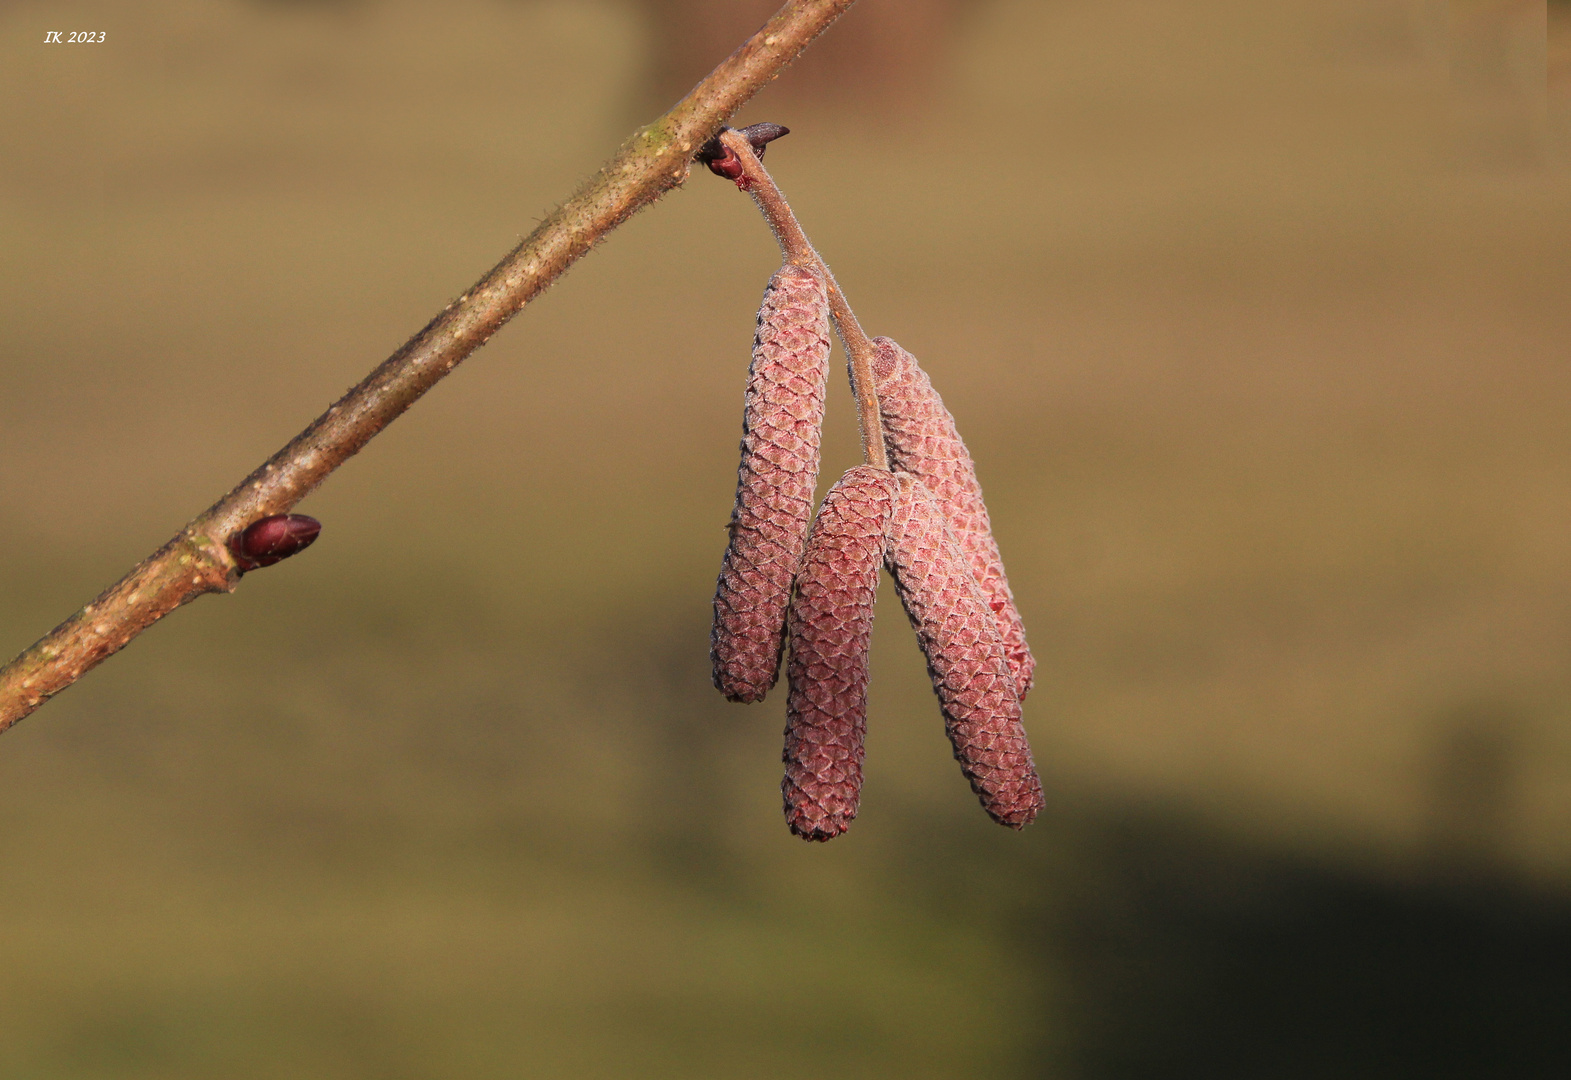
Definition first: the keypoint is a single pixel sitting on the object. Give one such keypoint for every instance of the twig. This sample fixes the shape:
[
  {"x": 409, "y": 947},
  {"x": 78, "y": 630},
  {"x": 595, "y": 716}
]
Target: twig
[
  {"x": 795, "y": 248},
  {"x": 655, "y": 160}
]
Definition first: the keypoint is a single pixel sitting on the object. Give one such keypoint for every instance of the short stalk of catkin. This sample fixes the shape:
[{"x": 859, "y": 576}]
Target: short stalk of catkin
[
  {"x": 921, "y": 437},
  {"x": 831, "y": 627},
  {"x": 781, "y": 423},
  {"x": 959, "y": 636}
]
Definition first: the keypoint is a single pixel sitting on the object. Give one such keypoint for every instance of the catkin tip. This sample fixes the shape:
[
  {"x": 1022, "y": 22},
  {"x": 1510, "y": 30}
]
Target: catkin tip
[{"x": 817, "y": 831}]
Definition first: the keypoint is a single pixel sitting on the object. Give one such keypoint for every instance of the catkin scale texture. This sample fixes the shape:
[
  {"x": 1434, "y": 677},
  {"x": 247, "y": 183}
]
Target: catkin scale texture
[
  {"x": 958, "y": 633},
  {"x": 922, "y": 440},
  {"x": 782, "y": 418},
  {"x": 831, "y": 627}
]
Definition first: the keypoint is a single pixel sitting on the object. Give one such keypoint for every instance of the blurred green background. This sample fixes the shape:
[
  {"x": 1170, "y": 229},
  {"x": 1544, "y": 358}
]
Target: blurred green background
[{"x": 1255, "y": 317}]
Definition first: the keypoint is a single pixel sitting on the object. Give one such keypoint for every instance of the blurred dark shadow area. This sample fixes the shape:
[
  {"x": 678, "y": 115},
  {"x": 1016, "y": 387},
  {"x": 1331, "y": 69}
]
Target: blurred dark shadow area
[
  {"x": 1254, "y": 317},
  {"x": 1181, "y": 953}
]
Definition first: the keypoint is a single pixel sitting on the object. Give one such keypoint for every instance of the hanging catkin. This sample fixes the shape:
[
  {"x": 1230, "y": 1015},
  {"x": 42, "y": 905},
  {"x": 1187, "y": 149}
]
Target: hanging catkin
[
  {"x": 965, "y": 657},
  {"x": 774, "y": 491},
  {"x": 831, "y": 625},
  {"x": 922, "y": 440}
]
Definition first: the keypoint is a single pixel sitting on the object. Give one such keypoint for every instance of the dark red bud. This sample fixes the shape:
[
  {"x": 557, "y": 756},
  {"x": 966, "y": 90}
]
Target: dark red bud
[
  {"x": 271, "y": 539},
  {"x": 722, "y": 161},
  {"x": 730, "y": 167}
]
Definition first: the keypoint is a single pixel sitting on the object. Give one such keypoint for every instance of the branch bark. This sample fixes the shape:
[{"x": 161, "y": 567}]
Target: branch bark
[{"x": 654, "y": 160}]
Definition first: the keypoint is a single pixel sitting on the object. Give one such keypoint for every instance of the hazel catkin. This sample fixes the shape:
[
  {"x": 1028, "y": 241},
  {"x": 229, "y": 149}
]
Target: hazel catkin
[
  {"x": 959, "y": 636},
  {"x": 831, "y": 626},
  {"x": 921, "y": 438},
  {"x": 781, "y": 420}
]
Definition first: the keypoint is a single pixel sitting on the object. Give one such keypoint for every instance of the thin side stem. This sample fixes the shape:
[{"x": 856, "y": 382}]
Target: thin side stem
[
  {"x": 656, "y": 159},
  {"x": 796, "y": 249}
]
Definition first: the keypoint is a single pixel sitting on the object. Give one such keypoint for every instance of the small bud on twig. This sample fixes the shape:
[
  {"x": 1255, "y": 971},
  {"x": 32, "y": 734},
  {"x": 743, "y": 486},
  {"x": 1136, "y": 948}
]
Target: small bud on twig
[
  {"x": 273, "y": 539},
  {"x": 759, "y": 136},
  {"x": 965, "y": 657},
  {"x": 831, "y": 627},
  {"x": 722, "y": 160},
  {"x": 922, "y": 440},
  {"x": 775, "y": 482}
]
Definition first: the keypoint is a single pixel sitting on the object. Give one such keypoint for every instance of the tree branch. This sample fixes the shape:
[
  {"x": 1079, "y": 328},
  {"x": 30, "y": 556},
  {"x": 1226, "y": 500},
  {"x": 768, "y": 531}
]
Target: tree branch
[{"x": 654, "y": 160}]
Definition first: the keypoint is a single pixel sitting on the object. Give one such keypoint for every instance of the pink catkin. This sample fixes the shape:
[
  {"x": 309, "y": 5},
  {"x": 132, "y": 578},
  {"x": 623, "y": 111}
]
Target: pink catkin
[
  {"x": 965, "y": 657},
  {"x": 831, "y": 625},
  {"x": 781, "y": 420},
  {"x": 921, "y": 438}
]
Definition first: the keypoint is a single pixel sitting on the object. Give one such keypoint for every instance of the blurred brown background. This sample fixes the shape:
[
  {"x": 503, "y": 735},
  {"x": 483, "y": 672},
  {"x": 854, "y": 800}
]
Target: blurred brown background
[{"x": 1255, "y": 318}]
